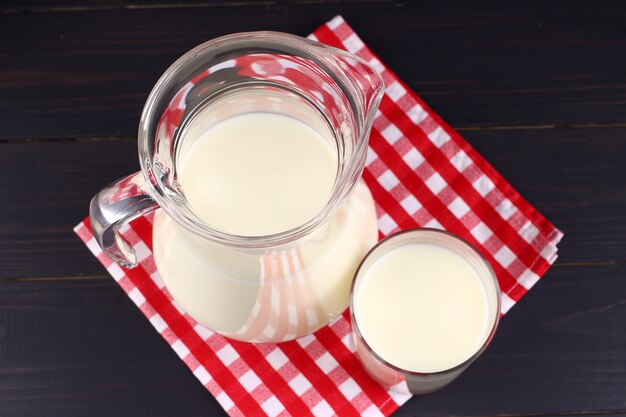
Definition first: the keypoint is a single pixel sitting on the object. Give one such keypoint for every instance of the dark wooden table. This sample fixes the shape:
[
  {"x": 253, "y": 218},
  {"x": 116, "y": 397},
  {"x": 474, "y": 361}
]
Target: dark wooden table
[{"x": 539, "y": 88}]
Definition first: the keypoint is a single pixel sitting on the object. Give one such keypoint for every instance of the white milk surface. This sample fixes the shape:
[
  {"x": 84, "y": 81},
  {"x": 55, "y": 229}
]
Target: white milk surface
[
  {"x": 423, "y": 308},
  {"x": 258, "y": 174}
]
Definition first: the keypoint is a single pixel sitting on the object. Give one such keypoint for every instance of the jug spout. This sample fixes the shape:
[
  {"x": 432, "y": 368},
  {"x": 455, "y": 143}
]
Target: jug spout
[
  {"x": 370, "y": 87},
  {"x": 365, "y": 86}
]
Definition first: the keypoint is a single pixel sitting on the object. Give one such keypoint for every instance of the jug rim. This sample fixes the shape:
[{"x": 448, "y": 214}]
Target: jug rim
[{"x": 346, "y": 181}]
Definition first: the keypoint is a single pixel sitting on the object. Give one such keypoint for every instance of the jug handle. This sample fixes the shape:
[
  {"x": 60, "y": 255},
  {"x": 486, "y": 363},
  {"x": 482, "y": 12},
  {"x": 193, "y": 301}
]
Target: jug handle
[{"x": 115, "y": 206}]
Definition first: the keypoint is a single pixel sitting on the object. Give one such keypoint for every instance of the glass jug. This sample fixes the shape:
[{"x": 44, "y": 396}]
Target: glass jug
[{"x": 257, "y": 288}]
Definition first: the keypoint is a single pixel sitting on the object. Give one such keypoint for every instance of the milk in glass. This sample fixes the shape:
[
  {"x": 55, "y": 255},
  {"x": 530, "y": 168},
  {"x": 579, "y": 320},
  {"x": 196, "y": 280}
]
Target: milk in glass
[{"x": 423, "y": 308}]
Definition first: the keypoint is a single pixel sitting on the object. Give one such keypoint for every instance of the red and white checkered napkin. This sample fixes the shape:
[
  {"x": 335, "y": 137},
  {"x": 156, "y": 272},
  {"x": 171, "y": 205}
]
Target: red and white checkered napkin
[{"x": 421, "y": 173}]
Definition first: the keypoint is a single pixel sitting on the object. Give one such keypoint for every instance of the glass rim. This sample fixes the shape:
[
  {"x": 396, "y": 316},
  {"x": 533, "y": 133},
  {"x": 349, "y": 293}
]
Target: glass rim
[
  {"x": 345, "y": 181},
  {"x": 491, "y": 274}
]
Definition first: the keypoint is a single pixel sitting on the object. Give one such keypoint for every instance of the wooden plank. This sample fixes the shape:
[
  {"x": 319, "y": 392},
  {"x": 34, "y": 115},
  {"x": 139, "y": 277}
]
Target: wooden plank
[
  {"x": 38, "y": 6},
  {"x": 71, "y": 349},
  {"x": 47, "y": 194},
  {"x": 574, "y": 176},
  {"x": 87, "y": 73},
  {"x": 84, "y": 349}
]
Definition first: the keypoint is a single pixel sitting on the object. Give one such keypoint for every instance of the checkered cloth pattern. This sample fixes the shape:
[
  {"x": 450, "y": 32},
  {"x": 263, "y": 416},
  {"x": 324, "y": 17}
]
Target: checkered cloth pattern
[{"x": 421, "y": 173}]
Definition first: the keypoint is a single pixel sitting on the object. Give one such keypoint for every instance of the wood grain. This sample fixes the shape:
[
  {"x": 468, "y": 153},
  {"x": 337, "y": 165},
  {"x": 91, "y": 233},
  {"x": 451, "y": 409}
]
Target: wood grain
[
  {"x": 77, "y": 349},
  {"x": 88, "y": 72},
  {"x": 88, "y": 350},
  {"x": 575, "y": 177},
  {"x": 539, "y": 88},
  {"x": 39, "y": 6}
]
